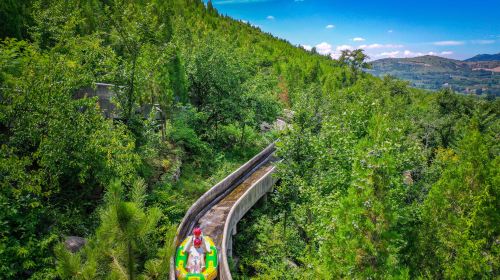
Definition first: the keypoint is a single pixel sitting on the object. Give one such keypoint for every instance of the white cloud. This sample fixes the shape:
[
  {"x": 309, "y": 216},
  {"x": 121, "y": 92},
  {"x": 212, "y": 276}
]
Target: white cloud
[
  {"x": 483, "y": 42},
  {"x": 324, "y": 48},
  {"x": 344, "y": 47},
  {"x": 358, "y": 39},
  {"x": 388, "y": 54},
  {"x": 338, "y": 50},
  {"x": 449, "y": 43},
  {"x": 372, "y": 46},
  {"x": 390, "y": 31},
  {"x": 307, "y": 47},
  {"x": 459, "y": 43},
  {"x": 335, "y": 55},
  {"x": 330, "y": 26},
  {"x": 270, "y": 17},
  {"x": 380, "y": 46},
  {"x": 409, "y": 54}
]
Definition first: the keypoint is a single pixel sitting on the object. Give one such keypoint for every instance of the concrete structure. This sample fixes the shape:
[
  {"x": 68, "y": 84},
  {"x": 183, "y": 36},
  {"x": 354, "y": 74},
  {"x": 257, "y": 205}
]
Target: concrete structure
[
  {"x": 106, "y": 98},
  {"x": 105, "y": 94},
  {"x": 239, "y": 209},
  {"x": 218, "y": 210}
]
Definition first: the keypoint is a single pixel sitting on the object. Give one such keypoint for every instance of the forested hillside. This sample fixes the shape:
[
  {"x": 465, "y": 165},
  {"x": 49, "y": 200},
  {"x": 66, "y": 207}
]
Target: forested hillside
[
  {"x": 433, "y": 72},
  {"x": 378, "y": 180},
  {"x": 384, "y": 182},
  {"x": 484, "y": 57}
]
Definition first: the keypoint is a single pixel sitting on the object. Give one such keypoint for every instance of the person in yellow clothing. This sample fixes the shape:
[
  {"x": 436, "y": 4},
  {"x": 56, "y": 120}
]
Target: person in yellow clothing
[{"x": 197, "y": 247}]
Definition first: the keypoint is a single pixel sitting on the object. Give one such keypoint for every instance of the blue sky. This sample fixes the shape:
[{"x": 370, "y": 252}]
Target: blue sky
[{"x": 455, "y": 29}]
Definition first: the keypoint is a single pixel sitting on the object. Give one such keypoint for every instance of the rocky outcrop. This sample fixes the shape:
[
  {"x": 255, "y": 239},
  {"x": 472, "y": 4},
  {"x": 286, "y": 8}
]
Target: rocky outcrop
[{"x": 74, "y": 243}]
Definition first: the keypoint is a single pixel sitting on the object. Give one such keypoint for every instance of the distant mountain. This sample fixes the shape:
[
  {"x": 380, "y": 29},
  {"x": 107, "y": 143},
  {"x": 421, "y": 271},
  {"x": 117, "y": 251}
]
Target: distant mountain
[
  {"x": 484, "y": 57},
  {"x": 434, "y": 72}
]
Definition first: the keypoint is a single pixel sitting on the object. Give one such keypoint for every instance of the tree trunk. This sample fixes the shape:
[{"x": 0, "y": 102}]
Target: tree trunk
[
  {"x": 242, "y": 138},
  {"x": 130, "y": 262},
  {"x": 130, "y": 101}
]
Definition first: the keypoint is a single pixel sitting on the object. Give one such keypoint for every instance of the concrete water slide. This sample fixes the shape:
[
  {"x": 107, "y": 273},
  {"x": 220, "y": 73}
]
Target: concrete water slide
[{"x": 218, "y": 210}]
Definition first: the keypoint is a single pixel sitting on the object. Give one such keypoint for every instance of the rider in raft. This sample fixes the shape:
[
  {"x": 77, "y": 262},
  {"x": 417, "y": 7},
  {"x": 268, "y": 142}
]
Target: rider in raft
[{"x": 201, "y": 246}]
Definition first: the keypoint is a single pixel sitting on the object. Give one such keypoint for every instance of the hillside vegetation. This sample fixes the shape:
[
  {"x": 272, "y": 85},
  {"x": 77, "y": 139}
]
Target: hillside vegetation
[
  {"x": 484, "y": 57},
  {"x": 433, "y": 72},
  {"x": 378, "y": 180}
]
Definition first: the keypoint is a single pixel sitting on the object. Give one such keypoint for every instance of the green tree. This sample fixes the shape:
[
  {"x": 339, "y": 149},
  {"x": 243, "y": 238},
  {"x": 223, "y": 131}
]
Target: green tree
[
  {"x": 136, "y": 31},
  {"x": 14, "y": 19},
  {"x": 215, "y": 77},
  {"x": 355, "y": 60},
  {"x": 364, "y": 242},
  {"x": 56, "y": 151},
  {"x": 124, "y": 246},
  {"x": 460, "y": 217}
]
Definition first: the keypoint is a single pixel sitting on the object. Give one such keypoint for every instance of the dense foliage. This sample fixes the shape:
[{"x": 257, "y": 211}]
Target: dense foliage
[
  {"x": 378, "y": 180},
  {"x": 61, "y": 160},
  {"x": 381, "y": 181}
]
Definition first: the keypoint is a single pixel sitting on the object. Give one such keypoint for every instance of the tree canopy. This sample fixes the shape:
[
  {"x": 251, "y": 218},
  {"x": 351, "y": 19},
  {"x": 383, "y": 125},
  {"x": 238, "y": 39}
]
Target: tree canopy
[{"x": 378, "y": 180}]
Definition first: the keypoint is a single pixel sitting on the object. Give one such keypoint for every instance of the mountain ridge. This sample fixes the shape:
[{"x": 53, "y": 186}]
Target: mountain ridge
[
  {"x": 435, "y": 72},
  {"x": 484, "y": 57}
]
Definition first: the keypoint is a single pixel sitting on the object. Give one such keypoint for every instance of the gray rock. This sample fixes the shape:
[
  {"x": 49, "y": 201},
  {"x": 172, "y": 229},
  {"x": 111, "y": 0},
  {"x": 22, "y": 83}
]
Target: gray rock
[
  {"x": 74, "y": 243},
  {"x": 290, "y": 263},
  {"x": 280, "y": 124},
  {"x": 177, "y": 174},
  {"x": 265, "y": 127},
  {"x": 288, "y": 114},
  {"x": 407, "y": 177}
]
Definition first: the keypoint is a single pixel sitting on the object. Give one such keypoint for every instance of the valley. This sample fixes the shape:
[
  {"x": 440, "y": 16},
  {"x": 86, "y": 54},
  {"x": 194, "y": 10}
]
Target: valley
[{"x": 435, "y": 73}]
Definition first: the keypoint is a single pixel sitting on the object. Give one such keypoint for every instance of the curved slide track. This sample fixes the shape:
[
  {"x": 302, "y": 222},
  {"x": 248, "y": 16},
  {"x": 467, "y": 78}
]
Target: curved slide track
[{"x": 219, "y": 209}]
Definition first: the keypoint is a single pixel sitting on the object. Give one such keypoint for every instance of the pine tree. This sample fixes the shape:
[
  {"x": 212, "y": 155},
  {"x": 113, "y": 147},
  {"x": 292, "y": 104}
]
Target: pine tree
[
  {"x": 122, "y": 247},
  {"x": 460, "y": 232},
  {"x": 363, "y": 243}
]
